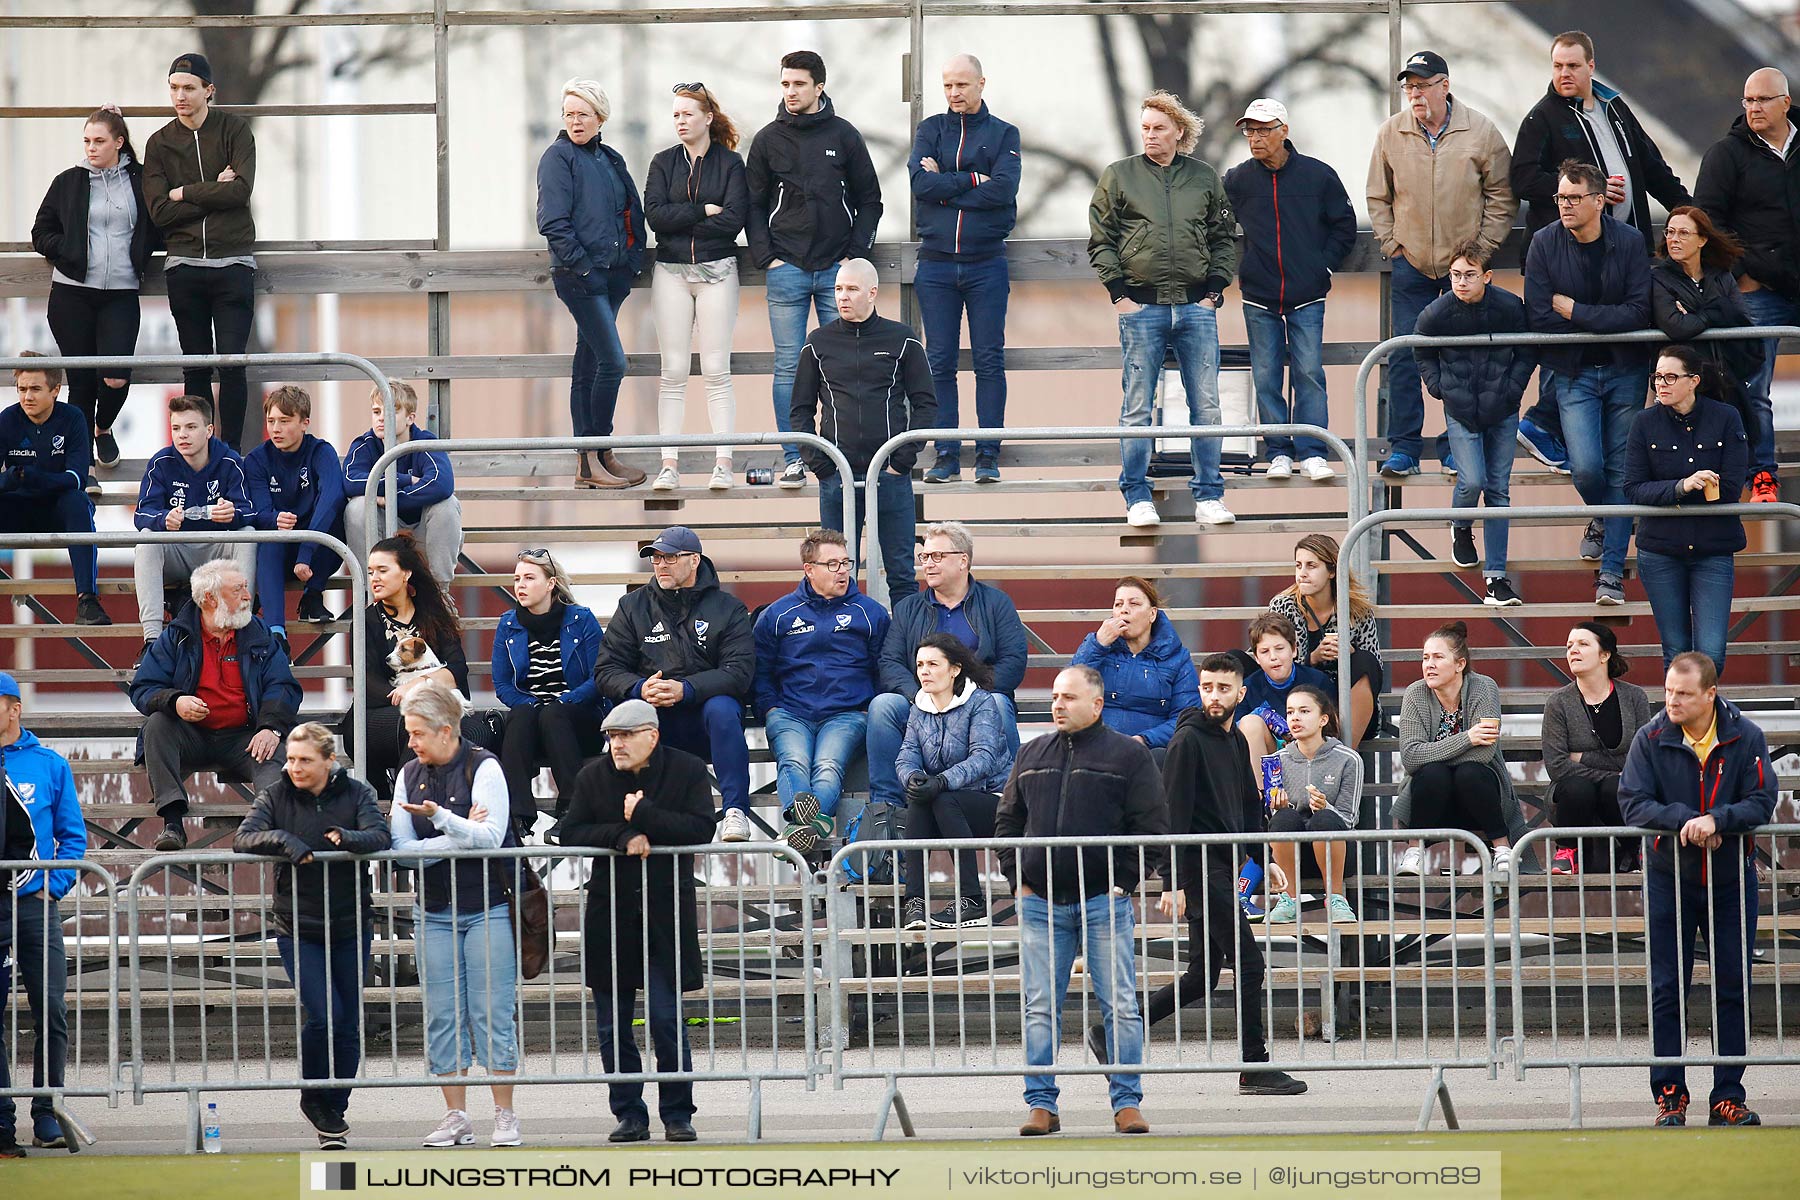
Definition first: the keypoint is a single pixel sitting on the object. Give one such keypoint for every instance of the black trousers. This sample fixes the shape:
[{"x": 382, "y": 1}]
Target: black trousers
[
  {"x": 214, "y": 308},
  {"x": 175, "y": 749},
  {"x": 1584, "y": 802},
  {"x": 548, "y": 733},
  {"x": 951, "y": 815},
  {"x": 1464, "y": 795},
  {"x": 1218, "y": 934},
  {"x": 86, "y": 320}
]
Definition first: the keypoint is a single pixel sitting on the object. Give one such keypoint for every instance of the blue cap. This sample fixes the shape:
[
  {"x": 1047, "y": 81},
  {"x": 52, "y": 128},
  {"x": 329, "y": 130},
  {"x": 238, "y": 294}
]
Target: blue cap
[
  {"x": 676, "y": 539},
  {"x": 9, "y": 686}
]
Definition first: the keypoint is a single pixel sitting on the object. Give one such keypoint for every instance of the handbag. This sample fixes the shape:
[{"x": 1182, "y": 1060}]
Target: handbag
[{"x": 531, "y": 909}]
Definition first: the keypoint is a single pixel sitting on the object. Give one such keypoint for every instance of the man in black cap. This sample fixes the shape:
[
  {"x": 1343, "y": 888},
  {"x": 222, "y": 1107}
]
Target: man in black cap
[
  {"x": 686, "y": 647},
  {"x": 199, "y": 170}
]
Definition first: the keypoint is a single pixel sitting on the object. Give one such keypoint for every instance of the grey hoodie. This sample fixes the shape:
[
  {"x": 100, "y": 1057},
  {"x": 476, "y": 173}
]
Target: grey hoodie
[{"x": 1336, "y": 770}]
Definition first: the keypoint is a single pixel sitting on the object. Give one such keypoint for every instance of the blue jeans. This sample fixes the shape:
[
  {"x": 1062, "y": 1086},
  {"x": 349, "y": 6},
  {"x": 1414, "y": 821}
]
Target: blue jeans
[
  {"x": 888, "y": 713},
  {"x": 668, "y": 1036},
  {"x": 1484, "y": 460},
  {"x": 1691, "y": 600},
  {"x": 275, "y": 566},
  {"x": 1544, "y": 413},
  {"x": 812, "y": 756},
  {"x": 470, "y": 970},
  {"x": 1598, "y": 405},
  {"x": 1411, "y": 291},
  {"x": 1049, "y": 936},
  {"x": 945, "y": 290},
  {"x": 714, "y": 730},
  {"x": 599, "y": 366},
  {"x": 894, "y": 524},
  {"x": 1145, "y": 338},
  {"x": 44, "y": 972},
  {"x": 328, "y": 976},
  {"x": 791, "y": 291},
  {"x": 1727, "y": 922},
  {"x": 1765, "y": 308},
  {"x": 1294, "y": 340}
]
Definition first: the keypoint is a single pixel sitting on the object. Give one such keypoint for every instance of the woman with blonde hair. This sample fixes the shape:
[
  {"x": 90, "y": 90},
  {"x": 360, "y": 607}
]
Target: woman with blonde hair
[{"x": 1310, "y": 602}]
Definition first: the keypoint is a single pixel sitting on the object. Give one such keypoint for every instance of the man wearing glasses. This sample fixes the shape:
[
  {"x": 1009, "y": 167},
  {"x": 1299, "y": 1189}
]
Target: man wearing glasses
[
  {"x": 1746, "y": 185},
  {"x": 816, "y": 671},
  {"x": 1298, "y": 226},
  {"x": 1437, "y": 180}
]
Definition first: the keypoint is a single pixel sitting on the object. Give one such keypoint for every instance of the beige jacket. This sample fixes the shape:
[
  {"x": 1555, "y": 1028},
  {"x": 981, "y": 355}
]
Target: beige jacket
[{"x": 1425, "y": 203}]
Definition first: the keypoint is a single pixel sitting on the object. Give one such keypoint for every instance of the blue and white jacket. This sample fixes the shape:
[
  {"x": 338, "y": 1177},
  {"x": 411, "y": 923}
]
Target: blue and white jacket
[
  {"x": 580, "y": 640},
  {"x": 815, "y": 657},
  {"x": 47, "y": 459},
  {"x": 424, "y": 478},
  {"x": 960, "y": 219},
  {"x": 169, "y": 483},
  {"x": 308, "y": 482},
  {"x": 40, "y": 788}
]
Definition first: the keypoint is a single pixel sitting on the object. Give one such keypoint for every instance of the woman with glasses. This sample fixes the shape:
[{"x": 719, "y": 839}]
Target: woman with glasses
[
  {"x": 1693, "y": 289},
  {"x": 1148, "y": 672},
  {"x": 696, "y": 199},
  {"x": 1688, "y": 451},
  {"x": 545, "y": 649}
]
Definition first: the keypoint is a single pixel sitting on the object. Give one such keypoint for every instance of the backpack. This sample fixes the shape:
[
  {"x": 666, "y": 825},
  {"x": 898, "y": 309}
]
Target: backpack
[{"x": 877, "y": 822}]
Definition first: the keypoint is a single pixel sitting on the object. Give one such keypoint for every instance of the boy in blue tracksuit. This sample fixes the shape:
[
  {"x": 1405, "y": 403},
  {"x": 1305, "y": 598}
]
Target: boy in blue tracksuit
[
  {"x": 1701, "y": 772},
  {"x": 817, "y": 668},
  {"x": 48, "y": 451},
  {"x": 195, "y": 484},
  {"x": 40, "y": 818},
  {"x": 424, "y": 483},
  {"x": 296, "y": 482}
]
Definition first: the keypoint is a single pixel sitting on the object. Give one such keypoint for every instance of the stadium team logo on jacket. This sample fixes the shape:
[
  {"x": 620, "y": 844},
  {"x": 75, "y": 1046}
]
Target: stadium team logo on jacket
[
  {"x": 700, "y": 628},
  {"x": 57, "y": 442},
  {"x": 801, "y": 625},
  {"x": 657, "y": 635},
  {"x": 26, "y": 792},
  {"x": 843, "y": 620}
]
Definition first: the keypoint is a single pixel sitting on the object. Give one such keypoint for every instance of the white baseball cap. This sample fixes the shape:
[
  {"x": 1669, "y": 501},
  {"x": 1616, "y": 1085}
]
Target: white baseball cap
[{"x": 1265, "y": 109}]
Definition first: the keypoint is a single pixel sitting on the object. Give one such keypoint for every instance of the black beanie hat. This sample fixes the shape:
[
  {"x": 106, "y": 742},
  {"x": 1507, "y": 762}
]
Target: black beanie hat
[{"x": 192, "y": 64}]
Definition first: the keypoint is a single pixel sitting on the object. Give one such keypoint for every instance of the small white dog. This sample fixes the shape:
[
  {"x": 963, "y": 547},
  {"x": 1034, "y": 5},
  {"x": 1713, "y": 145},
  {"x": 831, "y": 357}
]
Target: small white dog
[{"x": 412, "y": 659}]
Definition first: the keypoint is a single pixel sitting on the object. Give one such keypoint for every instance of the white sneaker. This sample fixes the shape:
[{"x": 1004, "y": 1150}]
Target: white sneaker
[
  {"x": 721, "y": 478},
  {"x": 453, "y": 1130},
  {"x": 1471, "y": 865},
  {"x": 1142, "y": 515},
  {"x": 735, "y": 827},
  {"x": 506, "y": 1128},
  {"x": 1214, "y": 512},
  {"x": 666, "y": 480},
  {"x": 1316, "y": 469},
  {"x": 1412, "y": 862},
  {"x": 1503, "y": 857},
  {"x": 1281, "y": 467}
]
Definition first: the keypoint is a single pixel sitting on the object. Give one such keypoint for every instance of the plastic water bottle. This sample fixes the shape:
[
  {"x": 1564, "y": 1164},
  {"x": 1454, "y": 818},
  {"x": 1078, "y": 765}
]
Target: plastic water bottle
[{"x": 212, "y": 1136}]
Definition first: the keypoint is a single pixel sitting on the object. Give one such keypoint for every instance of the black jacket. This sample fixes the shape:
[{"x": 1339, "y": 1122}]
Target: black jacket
[
  {"x": 378, "y": 676},
  {"x": 814, "y": 194},
  {"x": 1480, "y": 386},
  {"x": 1664, "y": 448},
  {"x": 1209, "y": 787},
  {"x": 1554, "y": 131},
  {"x": 872, "y": 381},
  {"x": 701, "y": 635},
  {"x": 1753, "y": 192},
  {"x": 675, "y": 200},
  {"x": 212, "y": 218},
  {"x": 60, "y": 232},
  {"x": 1095, "y": 783},
  {"x": 1557, "y": 265},
  {"x": 286, "y": 822},
  {"x": 1684, "y": 310},
  {"x": 1298, "y": 226}
]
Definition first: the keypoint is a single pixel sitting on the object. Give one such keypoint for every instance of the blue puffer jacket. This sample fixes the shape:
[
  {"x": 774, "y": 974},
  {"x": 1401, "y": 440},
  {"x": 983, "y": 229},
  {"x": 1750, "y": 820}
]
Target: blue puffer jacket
[
  {"x": 581, "y": 638},
  {"x": 959, "y": 218},
  {"x": 39, "y": 779},
  {"x": 1662, "y": 449},
  {"x": 965, "y": 743},
  {"x": 816, "y": 658},
  {"x": 1145, "y": 692},
  {"x": 1660, "y": 789},
  {"x": 171, "y": 670},
  {"x": 588, "y": 207}
]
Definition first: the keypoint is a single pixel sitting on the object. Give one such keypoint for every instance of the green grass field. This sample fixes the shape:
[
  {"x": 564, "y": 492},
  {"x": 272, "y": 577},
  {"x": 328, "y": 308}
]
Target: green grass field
[{"x": 1575, "y": 1165}]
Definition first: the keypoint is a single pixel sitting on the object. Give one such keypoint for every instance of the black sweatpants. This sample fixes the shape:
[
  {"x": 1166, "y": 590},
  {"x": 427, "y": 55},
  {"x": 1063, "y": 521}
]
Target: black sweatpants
[
  {"x": 1218, "y": 934},
  {"x": 92, "y": 321},
  {"x": 214, "y": 308},
  {"x": 1464, "y": 795},
  {"x": 1586, "y": 802},
  {"x": 548, "y": 733}
]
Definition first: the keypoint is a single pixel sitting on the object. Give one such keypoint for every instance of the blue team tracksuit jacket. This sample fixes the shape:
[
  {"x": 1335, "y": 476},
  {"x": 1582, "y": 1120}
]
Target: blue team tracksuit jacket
[
  {"x": 815, "y": 657},
  {"x": 308, "y": 482},
  {"x": 39, "y": 782},
  {"x": 47, "y": 459},
  {"x": 170, "y": 483},
  {"x": 423, "y": 479}
]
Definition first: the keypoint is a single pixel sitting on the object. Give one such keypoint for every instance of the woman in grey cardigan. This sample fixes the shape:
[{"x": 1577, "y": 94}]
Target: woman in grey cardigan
[{"x": 1588, "y": 727}]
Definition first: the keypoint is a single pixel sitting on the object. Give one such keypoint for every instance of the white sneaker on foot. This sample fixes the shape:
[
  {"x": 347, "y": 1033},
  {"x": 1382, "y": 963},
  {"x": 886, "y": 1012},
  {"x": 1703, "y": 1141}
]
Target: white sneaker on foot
[
  {"x": 1281, "y": 467},
  {"x": 721, "y": 478},
  {"x": 735, "y": 827},
  {"x": 1503, "y": 861},
  {"x": 667, "y": 480},
  {"x": 1316, "y": 469},
  {"x": 1412, "y": 862},
  {"x": 453, "y": 1130},
  {"x": 506, "y": 1128},
  {"x": 1142, "y": 515},
  {"x": 1214, "y": 512}
]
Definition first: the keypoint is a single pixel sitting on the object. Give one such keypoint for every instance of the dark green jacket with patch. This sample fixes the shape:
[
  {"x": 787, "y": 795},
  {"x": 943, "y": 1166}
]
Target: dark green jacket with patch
[{"x": 1162, "y": 235}]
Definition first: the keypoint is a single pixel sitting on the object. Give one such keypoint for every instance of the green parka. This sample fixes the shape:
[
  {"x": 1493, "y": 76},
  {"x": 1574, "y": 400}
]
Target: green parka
[{"x": 1162, "y": 235}]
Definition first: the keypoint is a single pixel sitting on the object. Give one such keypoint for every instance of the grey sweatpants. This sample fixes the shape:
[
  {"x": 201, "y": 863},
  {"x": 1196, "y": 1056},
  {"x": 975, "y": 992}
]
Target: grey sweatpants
[
  {"x": 166, "y": 564},
  {"x": 439, "y": 532}
]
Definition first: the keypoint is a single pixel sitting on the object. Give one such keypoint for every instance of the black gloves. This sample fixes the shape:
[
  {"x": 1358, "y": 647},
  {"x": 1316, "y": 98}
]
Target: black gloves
[{"x": 922, "y": 788}]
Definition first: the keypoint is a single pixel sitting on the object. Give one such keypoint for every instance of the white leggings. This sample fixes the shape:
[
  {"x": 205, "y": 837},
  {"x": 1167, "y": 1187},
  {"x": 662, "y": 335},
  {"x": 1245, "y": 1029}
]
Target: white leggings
[{"x": 677, "y": 306}]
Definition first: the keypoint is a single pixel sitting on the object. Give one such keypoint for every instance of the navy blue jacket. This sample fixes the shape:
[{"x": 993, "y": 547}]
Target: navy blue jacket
[
  {"x": 966, "y": 743},
  {"x": 1660, "y": 788},
  {"x": 1665, "y": 448},
  {"x": 958, "y": 218},
  {"x": 580, "y": 638},
  {"x": 1555, "y": 264},
  {"x": 816, "y": 658},
  {"x": 1298, "y": 226},
  {"x": 47, "y": 459},
  {"x": 169, "y": 483},
  {"x": 1145, "y": 692},
  {"x": 1259, "y": 692},
  {"x": 1480, "y": 386},
  {"x": 308, "y": 482},
  {"x": 588, "y": 208},
  {"x": 171, "y": 670},
  {"x": 40, "y": 787},
  {"x": 990, "y": 614},
  {"x": 424, "y": 478}
]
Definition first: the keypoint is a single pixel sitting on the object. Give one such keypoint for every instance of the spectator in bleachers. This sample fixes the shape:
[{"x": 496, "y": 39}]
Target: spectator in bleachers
[
  {"x": 1588, "y": 727},
  {"x": 1163, "y": 240},
  {"x": 954, "y": 762},
  {"x": 323, "y": 917},
  {"x": 817, "y": 651},
  {"x": 199, "y": 171},
  {"x": 642, "y": 915},
  {"x": 1456, "y": 776},
  {"x": 862, "y": 379},
  {"x": 697, "y": 201},
  {"x": 1581, "y": 118},
  {"x": 46, "y": 458},
  {"x": 1591, "y": 274},
  {"x": 965, "y": 170},
  {"x": 1321, "y": 792},
  {"x": 1149, "y": 673},
  {"x": 1311, "y": 604},
  {"x": 40, "y": 818},
  {"x": 953, "y": 601},
  {"x": 95, "y": 228},
  {"x": 686, "y": 646},
  {"x": 1262, "y": 713},
  {"x": 1481, "y": 388},
  {"x": 1746, "y": 186},
  {"x": 1712, "y": 891},
  {"x": 217, "y": 694},
  {"x": 453, "y": 797},
  {"x": 196, "y": 484},
  {"x": 1688, "y": 450},
  {"x": 406, "y": 605},
  {"x": 425, "y": 481},
  {"x": 1692, "y": 289},
  {"x": 296, "y": 482},
  {"x": 589, "y": 212},
  {"x": 545, "y": 651},
  {"x": 1437, "y": 181},
  {"x": 815, "y": 201},
  {"x": 1298, "y": 227},
  {"x": 1087, "y": 781}
]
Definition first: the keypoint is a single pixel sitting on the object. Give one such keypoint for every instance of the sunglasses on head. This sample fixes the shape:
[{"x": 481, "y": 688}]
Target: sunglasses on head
[
  {"x": 536, "y": 556},
  {"x": 695, "y": 86}
]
